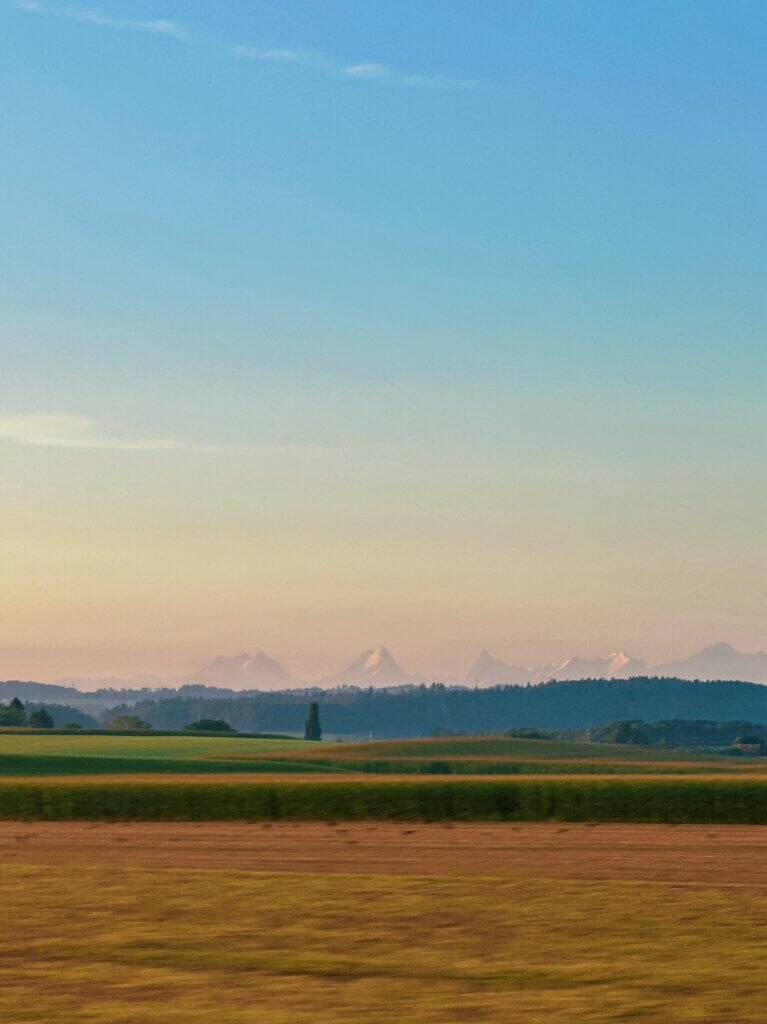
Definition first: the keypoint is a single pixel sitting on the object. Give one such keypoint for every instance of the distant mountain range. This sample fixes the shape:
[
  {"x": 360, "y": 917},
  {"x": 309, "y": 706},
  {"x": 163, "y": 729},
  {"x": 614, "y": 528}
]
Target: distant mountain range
[
  {"x": 242, "y": 672},
  {"x": 488, "y": 671},
  {"x": 377, "y": 667},
  {"x": 250, "y": 674},
  {"x": 719, "y": 661}
]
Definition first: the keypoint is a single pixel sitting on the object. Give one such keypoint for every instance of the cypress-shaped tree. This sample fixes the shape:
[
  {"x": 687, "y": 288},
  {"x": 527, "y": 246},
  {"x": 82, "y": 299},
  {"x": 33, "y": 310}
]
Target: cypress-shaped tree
[{"x": 312, "y": 727}]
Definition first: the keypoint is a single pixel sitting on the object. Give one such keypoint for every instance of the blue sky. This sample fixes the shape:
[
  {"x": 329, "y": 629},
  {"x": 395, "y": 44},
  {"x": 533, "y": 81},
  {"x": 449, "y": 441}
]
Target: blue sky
[{"x": 449, "y": 292}]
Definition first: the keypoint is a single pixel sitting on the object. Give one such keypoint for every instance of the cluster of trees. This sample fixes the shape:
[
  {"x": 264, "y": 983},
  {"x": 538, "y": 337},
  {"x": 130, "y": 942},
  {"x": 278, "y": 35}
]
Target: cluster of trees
[
  {"x": 632, "y": 732},
  {"x": 132, "y": 723},
  {"x": 418, "y": 710},
  {"x": 691, "y": 734},
  {"x": 128, "y": 723},
  {"x": 14, "y": 715},
  {"x": 209, "y": 725}
]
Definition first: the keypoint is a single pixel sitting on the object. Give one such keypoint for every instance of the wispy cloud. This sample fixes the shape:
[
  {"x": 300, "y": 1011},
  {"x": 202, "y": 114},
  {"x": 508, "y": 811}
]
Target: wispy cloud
[
  {"x": 45, "y": 430},
  {"x": 307, "y": 60},
  {"x": 300, "y": 58},
  {"x": 373, "y": 71},
  {"x": 385, "y": 73},
  {"x": 93, "y": 16}
]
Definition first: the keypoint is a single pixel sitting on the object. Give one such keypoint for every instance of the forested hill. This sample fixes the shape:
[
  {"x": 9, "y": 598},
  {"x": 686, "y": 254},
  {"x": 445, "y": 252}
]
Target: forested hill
[{"x": 416, "y": 711}]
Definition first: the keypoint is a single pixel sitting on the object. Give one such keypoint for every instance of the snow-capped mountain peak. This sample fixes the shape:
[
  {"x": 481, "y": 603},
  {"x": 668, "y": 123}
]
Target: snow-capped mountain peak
[
  {"x": 376, "y": 659},
  {"x": 241, "y": 672},
  {"x": 618, "y": 661},
  {"x": 373, "y": 667}
]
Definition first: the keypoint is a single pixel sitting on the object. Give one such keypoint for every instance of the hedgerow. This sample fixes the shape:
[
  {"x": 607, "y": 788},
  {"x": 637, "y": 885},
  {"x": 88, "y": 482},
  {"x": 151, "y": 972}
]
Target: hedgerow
[{"x": 680, "y": 800}]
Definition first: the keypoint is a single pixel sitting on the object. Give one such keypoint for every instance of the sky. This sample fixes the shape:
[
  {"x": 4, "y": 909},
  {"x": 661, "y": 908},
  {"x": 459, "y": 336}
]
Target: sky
[{"x": 332, "y": 324}]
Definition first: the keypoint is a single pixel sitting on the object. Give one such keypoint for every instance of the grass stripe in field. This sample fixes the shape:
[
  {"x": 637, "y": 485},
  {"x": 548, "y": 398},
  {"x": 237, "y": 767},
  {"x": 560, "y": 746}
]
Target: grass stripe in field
[
  {"x": 185, "y": 746},
  {"x": 53, "y": 764},
  {"x": 504, "y": 747},
  {"x": 57, "y": 764},
  {"x": 501, "y": 766},
  {"x": 734, "y": 801}
]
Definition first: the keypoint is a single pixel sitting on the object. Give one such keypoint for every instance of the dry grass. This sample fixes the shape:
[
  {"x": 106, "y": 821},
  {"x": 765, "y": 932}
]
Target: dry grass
[
  {"x": 726, "y": 856},
  {"x": 126, "y": 942}
]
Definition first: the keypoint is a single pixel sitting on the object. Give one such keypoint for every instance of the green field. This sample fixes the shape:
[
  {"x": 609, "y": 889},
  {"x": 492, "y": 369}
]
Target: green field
[
  {"x": 138, "y": 745},
  {"x": 65, "y": 776},
  {"x": 72, "y": 753},
  {"x": 507, "y": 747}
]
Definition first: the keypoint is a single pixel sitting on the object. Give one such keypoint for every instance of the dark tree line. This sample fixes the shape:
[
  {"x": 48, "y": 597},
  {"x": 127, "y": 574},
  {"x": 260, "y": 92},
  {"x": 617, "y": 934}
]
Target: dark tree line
[{"x": 419, "y": 710}]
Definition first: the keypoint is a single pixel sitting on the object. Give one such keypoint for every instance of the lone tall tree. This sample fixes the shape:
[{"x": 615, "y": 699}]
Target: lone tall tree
[{"x": 312, "y": 727}]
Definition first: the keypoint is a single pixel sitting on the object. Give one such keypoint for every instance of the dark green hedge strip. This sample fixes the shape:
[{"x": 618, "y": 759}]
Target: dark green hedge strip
[
  {"x": 74, "y": 764},
  {"x": 25, "y": 730},
  {"x": 447, "y": 766},
  {"x": 715, "y": 802}
]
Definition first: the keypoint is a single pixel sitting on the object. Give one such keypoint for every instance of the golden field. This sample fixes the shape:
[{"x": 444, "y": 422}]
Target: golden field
[{"x": 299, "y": 923}]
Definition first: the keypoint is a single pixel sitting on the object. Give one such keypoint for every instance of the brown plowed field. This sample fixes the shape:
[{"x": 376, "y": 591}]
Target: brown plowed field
[{"x": 727, "y": 855}]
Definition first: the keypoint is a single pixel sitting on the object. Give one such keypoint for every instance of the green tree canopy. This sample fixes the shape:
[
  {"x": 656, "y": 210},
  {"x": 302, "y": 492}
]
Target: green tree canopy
[
  {"x": 41, "y": 719},
  {"x": 13, "y": 713},
  {"x": 127, "y": 723},
  {"x": 210, "y": 725}
]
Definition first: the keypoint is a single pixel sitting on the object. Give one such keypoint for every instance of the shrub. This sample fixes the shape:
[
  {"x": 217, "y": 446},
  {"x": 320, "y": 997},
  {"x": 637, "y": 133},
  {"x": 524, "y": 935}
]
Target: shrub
[
  {"x": 128, "y": 723},
  {"x": 210, "y": 725}
]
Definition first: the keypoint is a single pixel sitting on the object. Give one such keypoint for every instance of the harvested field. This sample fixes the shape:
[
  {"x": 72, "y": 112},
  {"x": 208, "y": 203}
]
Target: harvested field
[
  {"x": 381, "y": 924},
  {"x": 729, "y": 855}
]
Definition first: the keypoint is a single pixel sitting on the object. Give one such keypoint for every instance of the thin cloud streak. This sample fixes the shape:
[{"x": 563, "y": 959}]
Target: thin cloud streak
[
  {"x": 305, "y": 59},
  {"x": 299, "y": 58},
  {"x": 372, "y": 72},
  {"x": 93, "y": 16},
  {"x": 384, "y": 73},
  {"x": 44, "y": 430}
]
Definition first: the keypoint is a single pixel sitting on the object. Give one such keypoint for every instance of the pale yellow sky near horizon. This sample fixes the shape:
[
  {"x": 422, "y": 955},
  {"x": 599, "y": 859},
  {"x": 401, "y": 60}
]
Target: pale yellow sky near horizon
[
  {"x": 159, "y": 560},
  {"x": 123, "y": 558}
]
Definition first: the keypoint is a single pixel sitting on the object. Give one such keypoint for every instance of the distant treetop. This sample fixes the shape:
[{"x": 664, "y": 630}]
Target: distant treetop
[
  {"x": 128, "y": 723},
  {"x": 209, "y": 725}
]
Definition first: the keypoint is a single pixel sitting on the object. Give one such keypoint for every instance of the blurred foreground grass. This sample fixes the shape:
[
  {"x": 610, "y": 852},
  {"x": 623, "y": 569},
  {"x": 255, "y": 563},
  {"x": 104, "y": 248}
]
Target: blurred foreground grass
[{"x": 127, "y": 945}]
